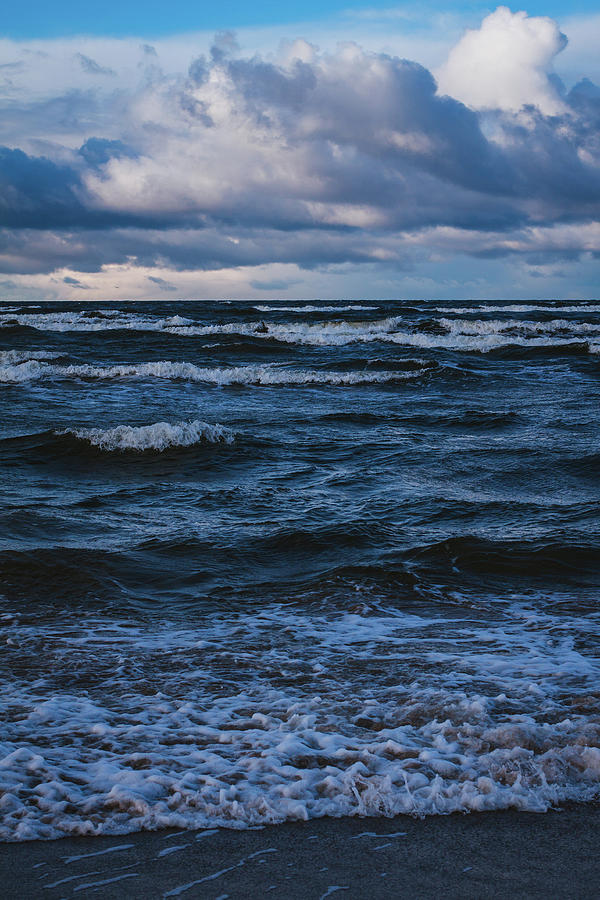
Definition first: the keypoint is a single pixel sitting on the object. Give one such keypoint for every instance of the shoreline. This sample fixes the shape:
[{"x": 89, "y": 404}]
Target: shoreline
[{"x": 489, "y": 854}]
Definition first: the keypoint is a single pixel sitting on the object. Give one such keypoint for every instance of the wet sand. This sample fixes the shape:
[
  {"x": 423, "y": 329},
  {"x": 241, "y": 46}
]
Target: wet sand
[{"x": 498, "y": 854}]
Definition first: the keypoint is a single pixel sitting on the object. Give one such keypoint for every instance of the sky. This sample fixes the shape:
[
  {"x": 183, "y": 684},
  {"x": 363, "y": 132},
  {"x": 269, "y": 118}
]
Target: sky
[
  {"x": 155, "y": 18},
  {"x": 180, "y": 150}
]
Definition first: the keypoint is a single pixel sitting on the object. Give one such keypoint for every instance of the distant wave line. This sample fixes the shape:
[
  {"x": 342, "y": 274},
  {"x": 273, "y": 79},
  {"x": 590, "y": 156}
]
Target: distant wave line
[{"x": 32, "y": 369}]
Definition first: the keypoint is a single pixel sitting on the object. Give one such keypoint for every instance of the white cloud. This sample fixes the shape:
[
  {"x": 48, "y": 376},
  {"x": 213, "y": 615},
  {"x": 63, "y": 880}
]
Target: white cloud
[{"x": 506, "y": 64}]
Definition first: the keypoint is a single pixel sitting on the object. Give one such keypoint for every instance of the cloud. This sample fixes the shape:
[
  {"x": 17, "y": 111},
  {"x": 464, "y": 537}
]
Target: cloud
[
  {"x": 98, "y": 151},
  {"x": 506, "y": 64},
  {"x": 75, "y": 282},
  {"x": 36, "y": 192},
  {"x": 351, "y": 139},
  {"x": 90, "y": 66},
  {"x": 161, "y": 283},
  {"x": 301, "y": 159}
]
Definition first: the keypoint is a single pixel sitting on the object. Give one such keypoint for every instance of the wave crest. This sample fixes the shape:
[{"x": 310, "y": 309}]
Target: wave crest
[
  {"x": 17, "y": 366},
  {"x": 231, "y": 375},
  {"x": 351, "y": 307},
  {"x": 159, "y": 436},
  {"x": 470, "y": 335}
]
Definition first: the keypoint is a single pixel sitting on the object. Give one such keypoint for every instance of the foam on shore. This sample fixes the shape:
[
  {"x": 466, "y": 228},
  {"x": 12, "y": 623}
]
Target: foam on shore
[{"x": 255, "y": 717}]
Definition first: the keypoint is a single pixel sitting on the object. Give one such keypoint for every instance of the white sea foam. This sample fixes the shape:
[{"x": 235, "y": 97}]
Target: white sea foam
[
  {"x": 518, "y": 326},
  {"x": 25, "y": 371},
  {"x": 233, "y": 375},
  {"x": 93, "y": 320},
  {"x": 355, "y": 307},
  {"x": 255, "y": 717},
  {"x": 159, "y": 436},
  {"x": 460, "y": 334},
  {"x": 15, "y": 357},
  {"x": 518, "y": 307},
  {"x": 17, "y": 366},
  {"x": 457, "y": 334}
]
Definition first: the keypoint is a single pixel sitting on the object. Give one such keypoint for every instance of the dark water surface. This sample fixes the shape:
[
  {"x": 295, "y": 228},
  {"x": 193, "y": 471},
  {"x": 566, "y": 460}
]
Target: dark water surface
[{"x": 270, "y": 561}]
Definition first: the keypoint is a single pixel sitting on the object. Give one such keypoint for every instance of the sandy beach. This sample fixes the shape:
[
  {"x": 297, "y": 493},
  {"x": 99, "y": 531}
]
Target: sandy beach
[{"x": 500, "y": 854}]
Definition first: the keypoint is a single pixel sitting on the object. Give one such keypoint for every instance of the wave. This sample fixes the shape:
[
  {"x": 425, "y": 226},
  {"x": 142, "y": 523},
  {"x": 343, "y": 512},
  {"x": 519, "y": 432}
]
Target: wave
[
  {"x": 516, "y": 327},
  {"x": 585, "y": 466},
  {"x": 519, "y": 307},
  {"x": 469, "y": 335},
  {"x": 157, "y": 437},
  {"x": 539, "y": 559},
  {"x": 316, "y": 309},
  {"x": 93, "y": 320},
  {"x": 24, "y": 365},
  {"x": 471, "y": 418},
  {"x": 235, "y": 375},
  {"x": 22, "y": 372},
  {"x": 15, "y": 357}
]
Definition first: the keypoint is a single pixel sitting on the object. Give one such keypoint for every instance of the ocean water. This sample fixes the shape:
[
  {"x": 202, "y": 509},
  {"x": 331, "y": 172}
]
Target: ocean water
[{"x": 273, "y": 561}]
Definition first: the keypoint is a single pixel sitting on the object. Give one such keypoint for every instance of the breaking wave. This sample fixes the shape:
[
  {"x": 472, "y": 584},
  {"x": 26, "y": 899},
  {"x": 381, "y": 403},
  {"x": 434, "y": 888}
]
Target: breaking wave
[
  {"x": 471, "y": 335},
  {"x": 517, "y": 327},
  {"x": 16, "y": 357},
  {"x": 581, "y": 308},
  {"x": 157, "y": 437},
  {"x": 23, "y": 365},
  {"x": 236, "y": 375},
  {"x": 316, "y": 309}
]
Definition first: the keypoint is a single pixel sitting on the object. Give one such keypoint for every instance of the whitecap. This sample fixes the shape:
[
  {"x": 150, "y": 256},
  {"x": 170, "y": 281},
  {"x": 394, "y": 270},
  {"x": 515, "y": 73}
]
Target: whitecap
[
  {"x": 353, "y": 307},
  {"x": 17, "y": 366},
  {"x": 159, "y": 436},
  {"x": 185, "y": 371}
]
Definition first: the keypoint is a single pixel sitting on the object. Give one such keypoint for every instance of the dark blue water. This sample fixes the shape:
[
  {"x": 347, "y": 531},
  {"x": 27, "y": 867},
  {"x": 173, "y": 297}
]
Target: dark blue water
[{"x": 268, "y": 561}]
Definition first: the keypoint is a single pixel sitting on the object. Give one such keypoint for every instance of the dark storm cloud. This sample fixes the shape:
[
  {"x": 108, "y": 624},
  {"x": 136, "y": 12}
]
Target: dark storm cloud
[
  {"x": 98, "y": 151},
  {"x": 37, "y": 251},
  {"x": 553, "y": 161},
  {"x": 263, "y": 84},
  {"x": 36, "y": 192},
  {"x": 405, "y": 126},
  {"x": 323, "y": 160},
  {"x": 401, "y": 121}
]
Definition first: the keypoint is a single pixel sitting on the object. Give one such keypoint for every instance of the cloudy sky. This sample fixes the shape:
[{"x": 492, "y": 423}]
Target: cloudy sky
[{"x": 320, "y": 150}]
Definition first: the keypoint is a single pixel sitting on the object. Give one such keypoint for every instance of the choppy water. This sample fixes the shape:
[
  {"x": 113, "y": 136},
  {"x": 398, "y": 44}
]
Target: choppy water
[{"x": 272, "y": 561}]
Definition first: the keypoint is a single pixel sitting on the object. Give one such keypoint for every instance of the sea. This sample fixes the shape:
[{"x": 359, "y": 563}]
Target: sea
[{"x": 271, "y": 561}]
